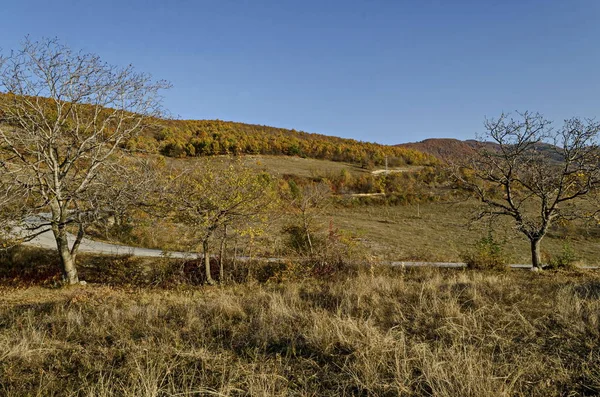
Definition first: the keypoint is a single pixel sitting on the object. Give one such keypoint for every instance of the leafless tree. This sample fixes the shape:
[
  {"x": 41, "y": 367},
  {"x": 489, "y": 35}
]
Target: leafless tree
[
  {"x": 534, "y": 173},
  {"x": 64, "y": 116}
]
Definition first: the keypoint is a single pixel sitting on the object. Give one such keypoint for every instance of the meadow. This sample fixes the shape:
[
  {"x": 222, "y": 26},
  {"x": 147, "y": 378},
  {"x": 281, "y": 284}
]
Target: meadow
[
  {"x": 148, "y": 327},
  {"x": 444, "y": 231},
  {"x": 421, "y": 332}
]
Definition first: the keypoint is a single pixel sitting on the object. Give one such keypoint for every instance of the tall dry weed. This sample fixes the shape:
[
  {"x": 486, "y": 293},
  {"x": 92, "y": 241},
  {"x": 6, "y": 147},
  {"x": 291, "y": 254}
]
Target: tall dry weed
[{"x": 381, "y": 333}]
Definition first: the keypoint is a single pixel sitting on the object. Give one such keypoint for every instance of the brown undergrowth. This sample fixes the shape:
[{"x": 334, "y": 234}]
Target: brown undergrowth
[{"x": 383, "y": 333}]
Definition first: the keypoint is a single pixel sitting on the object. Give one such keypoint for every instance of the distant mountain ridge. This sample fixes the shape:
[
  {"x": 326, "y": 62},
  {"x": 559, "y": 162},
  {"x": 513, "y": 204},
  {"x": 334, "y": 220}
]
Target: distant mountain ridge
[
  {"x": 450, "y": 149},
  {"x": 443, "y": 148}
]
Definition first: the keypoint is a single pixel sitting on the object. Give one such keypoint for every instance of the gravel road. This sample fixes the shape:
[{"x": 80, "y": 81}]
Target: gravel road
[{"x": 46, "y": 240}]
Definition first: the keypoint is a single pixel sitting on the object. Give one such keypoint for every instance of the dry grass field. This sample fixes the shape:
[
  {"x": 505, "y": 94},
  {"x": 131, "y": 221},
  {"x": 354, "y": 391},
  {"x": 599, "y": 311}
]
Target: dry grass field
[
  {"x": 415, "y": 333},
  {"x": 293, "y": 165},
  {"x": 443, "y": 231},
  {"x": 438, "y": 231},
  {"x": 284, "y": 165}
]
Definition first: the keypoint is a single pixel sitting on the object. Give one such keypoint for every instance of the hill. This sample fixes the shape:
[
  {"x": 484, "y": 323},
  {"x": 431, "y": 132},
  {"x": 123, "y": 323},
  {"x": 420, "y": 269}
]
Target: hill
[
  {"x": 191, "y": 138},
  {"x": 449, "y": 149},
  {"x": 443, "y": 148}
]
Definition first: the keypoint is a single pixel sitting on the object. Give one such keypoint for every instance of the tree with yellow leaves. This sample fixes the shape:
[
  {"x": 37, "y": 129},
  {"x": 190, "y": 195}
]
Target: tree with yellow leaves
[{"x": 215, "y": 195}]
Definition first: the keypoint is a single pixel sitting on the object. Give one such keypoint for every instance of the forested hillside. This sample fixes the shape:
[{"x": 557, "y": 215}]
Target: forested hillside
[
  {"x": 191, "y": 138},
  {"x": 182, "y": 138}
]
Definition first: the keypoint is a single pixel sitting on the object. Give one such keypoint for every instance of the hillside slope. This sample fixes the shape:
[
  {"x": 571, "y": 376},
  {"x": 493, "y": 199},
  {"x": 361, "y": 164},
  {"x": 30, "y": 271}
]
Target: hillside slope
[{"x": 189, "y": 138}]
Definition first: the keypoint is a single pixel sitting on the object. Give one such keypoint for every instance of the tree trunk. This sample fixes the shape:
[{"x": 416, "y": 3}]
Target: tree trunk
[
  {"x": 308, "y": 239},
  {"x": 77, "y": 242},
  {"x": 536, "y": 258},
  {"x": 222, "y": 255},
  {"x": 234, "y": 257},
  {"x": 310, "y": 246},
  {"x": 209, "y": 279},
  {"x": 66, "y": 258}
]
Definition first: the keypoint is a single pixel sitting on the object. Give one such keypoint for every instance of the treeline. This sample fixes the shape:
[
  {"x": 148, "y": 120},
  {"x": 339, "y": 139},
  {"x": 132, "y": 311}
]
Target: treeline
[
  {"x": 194, "y": 138},
  {"x": 191, "y": 138}
]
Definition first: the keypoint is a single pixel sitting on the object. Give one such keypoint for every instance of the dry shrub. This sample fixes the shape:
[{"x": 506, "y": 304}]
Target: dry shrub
[{"x": 23, "y": 265}]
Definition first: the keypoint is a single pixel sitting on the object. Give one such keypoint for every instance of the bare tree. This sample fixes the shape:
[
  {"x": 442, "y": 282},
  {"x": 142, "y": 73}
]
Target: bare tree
[
  {"x": 13, "y": 207},
  {"x": 534, "y": 173},
  {"x": 63, "y": 117}
]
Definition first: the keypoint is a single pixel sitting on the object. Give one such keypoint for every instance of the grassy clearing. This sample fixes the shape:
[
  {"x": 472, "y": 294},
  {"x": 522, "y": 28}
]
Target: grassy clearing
[
  {"x": 426, "y": 232},
  {"x": 291, "y": 165},
  {"x": 442, "y": 232},
  {"x": 287, "y": 165},
  {"x": 425, "y": 332},
  {"x": 299, "y": 166}
]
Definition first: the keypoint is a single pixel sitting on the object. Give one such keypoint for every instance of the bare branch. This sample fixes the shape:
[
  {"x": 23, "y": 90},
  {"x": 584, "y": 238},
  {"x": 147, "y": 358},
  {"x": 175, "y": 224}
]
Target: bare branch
[
  {"x": 530, "y": 170},
  {"x": 64, "y": 115}
]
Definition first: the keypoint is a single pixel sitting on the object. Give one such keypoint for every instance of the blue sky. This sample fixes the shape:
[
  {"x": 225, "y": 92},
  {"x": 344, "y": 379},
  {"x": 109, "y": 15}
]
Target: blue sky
[{"x": 387, "y": 71}]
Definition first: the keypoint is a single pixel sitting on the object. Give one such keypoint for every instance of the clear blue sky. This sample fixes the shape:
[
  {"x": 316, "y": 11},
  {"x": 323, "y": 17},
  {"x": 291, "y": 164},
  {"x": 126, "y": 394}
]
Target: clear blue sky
[{"x": 387, "y": 71}]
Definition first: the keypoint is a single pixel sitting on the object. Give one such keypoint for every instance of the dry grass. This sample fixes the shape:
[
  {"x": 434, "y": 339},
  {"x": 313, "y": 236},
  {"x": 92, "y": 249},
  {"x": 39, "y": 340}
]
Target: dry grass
[
  {"x": 298, "y": 166},
  {"x": 443, "y": 231},
  {"x": 289, "y": 165},
  {"x": 434, "y": 333}
]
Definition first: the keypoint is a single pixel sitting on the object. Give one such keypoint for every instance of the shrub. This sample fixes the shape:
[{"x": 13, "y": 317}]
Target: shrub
[
  {"x": 327, "y": 253},
  {"x": 565, "y": 260},
  {"x": 487, "y": 254}
]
